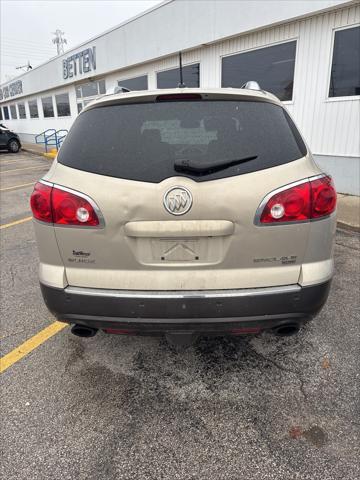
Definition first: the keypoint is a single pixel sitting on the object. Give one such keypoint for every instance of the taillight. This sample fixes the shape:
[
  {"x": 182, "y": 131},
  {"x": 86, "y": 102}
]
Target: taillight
[
  {"x": 62, "y": 207},
  {"x": 289, "y": 205},
  {"x": 305, "y": 201},
  {"x": 40, "y": 203},
  {"x": 71, "y": 209},
  {"x": 323, "y": 197}
]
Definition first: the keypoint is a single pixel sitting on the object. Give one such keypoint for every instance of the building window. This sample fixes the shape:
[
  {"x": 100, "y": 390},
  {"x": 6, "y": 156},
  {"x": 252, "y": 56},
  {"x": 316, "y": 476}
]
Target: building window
[
  {"x": 63, "y": 105},
  {"x": 345, "y": 68},
  {"x": 13, "y": 112},
  {"x": 171, "y": 78},
  {"x": 22, "y": 112},
  {"x": 33, "y": 108},
  {"x": 48, "y": 107},
  {"x": 136, "y": 83},
  {"x": 89, "y": 91},
  {"x": 102, "y": 89},
  {"x": 272, "y": 67},
  {"x": 6, "y": 113}
]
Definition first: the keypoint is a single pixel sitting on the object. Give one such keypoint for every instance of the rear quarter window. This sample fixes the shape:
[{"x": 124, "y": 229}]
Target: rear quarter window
[{"x": 142, "y": 141}]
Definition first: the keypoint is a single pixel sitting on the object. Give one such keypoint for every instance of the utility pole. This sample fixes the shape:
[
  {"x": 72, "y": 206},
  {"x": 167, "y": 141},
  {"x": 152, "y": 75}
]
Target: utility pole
[{"x": 59, "y": 40}]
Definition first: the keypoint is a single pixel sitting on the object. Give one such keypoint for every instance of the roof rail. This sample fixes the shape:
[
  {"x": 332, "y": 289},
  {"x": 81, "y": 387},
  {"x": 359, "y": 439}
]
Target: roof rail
[
  {"x": 117, "y": 89},
  {"x": 251, "y": 85},
  {"x": 120, "y": 89}
]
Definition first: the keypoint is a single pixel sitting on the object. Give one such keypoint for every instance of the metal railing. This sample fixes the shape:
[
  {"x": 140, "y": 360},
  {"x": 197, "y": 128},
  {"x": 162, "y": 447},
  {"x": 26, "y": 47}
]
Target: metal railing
[
  {"x": 51, "y": 138},
  {"x": 60, "y": 135}
]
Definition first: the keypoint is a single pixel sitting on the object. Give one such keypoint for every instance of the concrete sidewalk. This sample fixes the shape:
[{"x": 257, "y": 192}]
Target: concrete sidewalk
[
  {"x": 39, "y": 149},
  {"x": 348, "y": 212},
  {"x": 35, "y": 148}
]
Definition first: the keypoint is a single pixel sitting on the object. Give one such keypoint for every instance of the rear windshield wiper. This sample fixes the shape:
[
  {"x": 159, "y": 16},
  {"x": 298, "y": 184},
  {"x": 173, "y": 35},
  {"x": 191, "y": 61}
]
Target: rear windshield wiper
[{"x": 184, "y": 165}]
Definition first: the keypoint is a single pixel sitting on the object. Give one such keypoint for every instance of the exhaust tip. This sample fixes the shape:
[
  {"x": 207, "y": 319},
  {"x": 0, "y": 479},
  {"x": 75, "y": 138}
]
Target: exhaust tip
[
  {"x": 287, "y": 329},
  {"x": 82, "y": 331}
]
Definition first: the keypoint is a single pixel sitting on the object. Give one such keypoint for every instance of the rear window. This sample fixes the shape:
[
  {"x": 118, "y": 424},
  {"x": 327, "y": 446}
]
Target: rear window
[{"x": 143, "y": 141}]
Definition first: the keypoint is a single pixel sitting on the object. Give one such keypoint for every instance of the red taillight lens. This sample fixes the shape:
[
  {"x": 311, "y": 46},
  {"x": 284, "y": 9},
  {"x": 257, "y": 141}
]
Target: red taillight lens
[
  {"x": 323, "y": 197},
  {"x": 54, "y": 205},
  {"x": 311, "y": 199},
  {"x": 70, "y": 209},
  {"x": 288, "y": 206},
  {"x": 40, "y": 203}
]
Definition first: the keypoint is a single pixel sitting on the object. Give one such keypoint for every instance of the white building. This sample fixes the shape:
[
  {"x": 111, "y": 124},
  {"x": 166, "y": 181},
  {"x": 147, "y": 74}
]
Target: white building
[{"x": 306, "y": 52}]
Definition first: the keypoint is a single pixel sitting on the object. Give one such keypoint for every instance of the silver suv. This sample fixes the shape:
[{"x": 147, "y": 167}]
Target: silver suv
[{"x": 185, "y": 212}]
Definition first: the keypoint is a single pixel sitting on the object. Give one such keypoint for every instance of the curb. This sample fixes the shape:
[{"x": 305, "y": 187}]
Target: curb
[
  {"x": 347, "y": 227},
  {"x": 29, "y": 150},
  {"x": 35, "y": 152}
]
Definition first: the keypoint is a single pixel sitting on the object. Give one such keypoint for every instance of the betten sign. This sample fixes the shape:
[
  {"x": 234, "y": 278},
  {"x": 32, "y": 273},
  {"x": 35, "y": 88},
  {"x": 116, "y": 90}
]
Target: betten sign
[{"x": 81, "y": 62}]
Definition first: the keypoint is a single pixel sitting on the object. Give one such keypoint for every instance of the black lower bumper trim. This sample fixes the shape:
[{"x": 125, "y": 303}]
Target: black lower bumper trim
[{"x": 199, "y": 314}]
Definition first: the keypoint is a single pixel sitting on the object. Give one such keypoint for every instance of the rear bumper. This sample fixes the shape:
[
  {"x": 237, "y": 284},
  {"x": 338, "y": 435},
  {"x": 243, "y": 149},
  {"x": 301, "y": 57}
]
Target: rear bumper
[{"x": 212, "y": 311}]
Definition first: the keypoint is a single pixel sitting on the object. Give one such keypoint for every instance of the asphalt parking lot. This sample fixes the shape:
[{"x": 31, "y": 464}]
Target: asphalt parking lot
[{"x": 114, "y": 407}]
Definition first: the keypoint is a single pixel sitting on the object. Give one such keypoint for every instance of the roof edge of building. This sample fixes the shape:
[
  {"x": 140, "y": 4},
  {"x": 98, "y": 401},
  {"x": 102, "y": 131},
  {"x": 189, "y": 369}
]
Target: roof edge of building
[{"x": 336, "y": 5}]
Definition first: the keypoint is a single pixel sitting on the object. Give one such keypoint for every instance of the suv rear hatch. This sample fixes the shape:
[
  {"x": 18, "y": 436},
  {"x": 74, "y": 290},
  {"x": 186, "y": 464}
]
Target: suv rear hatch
[{"x": 178, "y": 181}]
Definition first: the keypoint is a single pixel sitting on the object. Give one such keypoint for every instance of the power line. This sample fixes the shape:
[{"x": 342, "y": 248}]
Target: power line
[
  {"x": 5, "y": 48},
  {"x": 28, "y": 48},
  {"x": 8, "y": 64},
  {"x": 18, "y": 40},
  {"x": 8, "y": 44},
  {"x": 17, "y": 52},
  {"x": 14, "y": 49},
  {"x": 25, "y": 42},
  {"x": 18, "y": 58},
  {"x": 9, "y": 52},
  {"x": 27, "y": 54}
]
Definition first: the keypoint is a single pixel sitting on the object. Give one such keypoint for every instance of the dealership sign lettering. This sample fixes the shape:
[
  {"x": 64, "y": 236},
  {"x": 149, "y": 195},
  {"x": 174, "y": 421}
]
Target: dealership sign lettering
[
  {"x": 15, "y": 88},
  {"x": 79, "y": 63}
]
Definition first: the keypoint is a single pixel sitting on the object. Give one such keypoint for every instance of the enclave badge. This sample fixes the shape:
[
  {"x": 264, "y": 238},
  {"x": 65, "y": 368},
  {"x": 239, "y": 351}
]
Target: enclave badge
[{"x": 177, "y": 200}]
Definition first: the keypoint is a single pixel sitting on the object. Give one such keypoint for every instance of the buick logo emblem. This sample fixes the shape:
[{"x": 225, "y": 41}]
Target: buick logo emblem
[{"x": 177, "y": 200}]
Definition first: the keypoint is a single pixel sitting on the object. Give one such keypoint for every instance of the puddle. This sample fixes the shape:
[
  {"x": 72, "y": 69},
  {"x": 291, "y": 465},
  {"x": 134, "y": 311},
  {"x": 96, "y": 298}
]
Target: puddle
[{"x": 316, "y": 436}]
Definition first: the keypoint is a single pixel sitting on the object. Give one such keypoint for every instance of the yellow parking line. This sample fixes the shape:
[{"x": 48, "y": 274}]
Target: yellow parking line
[
  {"x": 17, "y": 222},
  {"x": 18, "y": 353},
  {"x": 16, "y": 186},
  {"x": 25, "y": 168},
  {"x": 8, "y": 163},
  {"x": 25, "y": 161}
]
